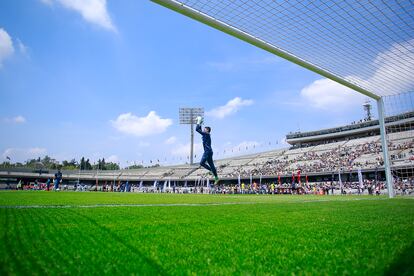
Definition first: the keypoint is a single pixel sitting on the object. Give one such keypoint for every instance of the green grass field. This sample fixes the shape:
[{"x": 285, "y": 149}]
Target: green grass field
[{"x": 115, "y": 233}]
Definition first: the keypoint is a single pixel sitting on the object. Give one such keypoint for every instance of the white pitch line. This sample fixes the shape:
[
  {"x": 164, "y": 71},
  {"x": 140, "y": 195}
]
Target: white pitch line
[{"x": 174, "y": 204}]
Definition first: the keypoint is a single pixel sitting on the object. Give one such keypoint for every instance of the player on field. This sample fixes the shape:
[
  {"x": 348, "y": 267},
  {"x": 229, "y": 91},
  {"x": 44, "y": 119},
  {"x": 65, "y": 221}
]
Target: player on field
[
  {"x": 58, "y": 179},
  {"x": 208, "y": 151}
]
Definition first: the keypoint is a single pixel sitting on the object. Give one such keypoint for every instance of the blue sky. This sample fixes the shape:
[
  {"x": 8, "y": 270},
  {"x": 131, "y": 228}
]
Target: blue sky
[{"x": 107, "y": 80}]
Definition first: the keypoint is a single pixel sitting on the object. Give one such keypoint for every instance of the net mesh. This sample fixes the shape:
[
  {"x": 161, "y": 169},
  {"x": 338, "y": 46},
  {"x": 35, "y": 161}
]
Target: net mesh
[
  {"x": 367, "y": 43},
  {"x": 400, "y": 138}
]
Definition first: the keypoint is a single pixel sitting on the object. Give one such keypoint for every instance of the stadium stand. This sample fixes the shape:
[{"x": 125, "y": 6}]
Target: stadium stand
[{"x": 323, "y": 157}]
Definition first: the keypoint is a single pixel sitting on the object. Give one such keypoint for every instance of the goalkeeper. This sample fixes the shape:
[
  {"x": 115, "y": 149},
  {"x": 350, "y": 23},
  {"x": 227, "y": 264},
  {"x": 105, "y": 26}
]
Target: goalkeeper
[{"x": 208, "y": 151}]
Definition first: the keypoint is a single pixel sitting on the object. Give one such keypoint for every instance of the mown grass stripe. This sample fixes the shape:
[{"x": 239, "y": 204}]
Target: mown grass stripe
[
  {"x": 174, "y": 204},
  {"x": 253, "y": 235}
]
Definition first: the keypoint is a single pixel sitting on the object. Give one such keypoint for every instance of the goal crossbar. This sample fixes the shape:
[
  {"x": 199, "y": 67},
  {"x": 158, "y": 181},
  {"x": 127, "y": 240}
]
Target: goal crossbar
[{"x": 226, "y": 28}]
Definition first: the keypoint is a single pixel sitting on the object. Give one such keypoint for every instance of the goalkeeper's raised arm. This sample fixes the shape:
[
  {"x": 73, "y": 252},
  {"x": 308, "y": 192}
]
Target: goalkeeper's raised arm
[
  {"x": 199, "y": 122},
  {"x": 199, "y": 130}
]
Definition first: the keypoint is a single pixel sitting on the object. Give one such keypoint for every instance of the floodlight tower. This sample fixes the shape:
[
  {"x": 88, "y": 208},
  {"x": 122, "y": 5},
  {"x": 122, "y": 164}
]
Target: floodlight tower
[
  {"x": 368, "y": 107},
  {"x": 188, "y": 116}
]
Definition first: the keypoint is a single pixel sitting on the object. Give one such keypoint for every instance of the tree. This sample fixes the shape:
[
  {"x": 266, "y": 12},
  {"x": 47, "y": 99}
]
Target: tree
[
  {"x": 135, "y": 167},
  {"x": 111, "y": 166},
  {"x": 88, "y": 165},
  {"x": 49, "y": 163},
  {"x": 82, "y": 163},
  {"x": 69, "y": 165}
]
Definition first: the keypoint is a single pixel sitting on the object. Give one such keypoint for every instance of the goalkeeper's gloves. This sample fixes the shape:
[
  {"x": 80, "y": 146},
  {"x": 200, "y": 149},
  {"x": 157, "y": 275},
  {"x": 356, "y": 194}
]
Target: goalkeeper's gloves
[{"x": 199, "y": 120}]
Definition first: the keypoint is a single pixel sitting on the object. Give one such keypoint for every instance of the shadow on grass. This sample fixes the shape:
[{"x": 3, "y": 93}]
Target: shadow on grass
[
  {"x": 403, "y": 264},
  {"x": 147, "y": 265}
]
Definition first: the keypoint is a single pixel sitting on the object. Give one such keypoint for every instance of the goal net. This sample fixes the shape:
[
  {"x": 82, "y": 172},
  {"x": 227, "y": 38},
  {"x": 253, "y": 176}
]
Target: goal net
[
  {"x": 399, "y": 113},
  {"x": 367, "y": 46}
]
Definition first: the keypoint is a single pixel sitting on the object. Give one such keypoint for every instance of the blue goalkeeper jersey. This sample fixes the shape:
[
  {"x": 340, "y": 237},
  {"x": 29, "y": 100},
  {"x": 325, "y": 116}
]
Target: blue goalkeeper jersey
[{"x": 206, "y": 139}]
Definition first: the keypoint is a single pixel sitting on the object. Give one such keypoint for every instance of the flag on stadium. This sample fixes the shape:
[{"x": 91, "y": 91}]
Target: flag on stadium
[
  {"x": 238, "y": 179},
  {"x": 299, "y": 176},
  {"x": 278, "y": 178},
  {"x": 340, "y": 181}
]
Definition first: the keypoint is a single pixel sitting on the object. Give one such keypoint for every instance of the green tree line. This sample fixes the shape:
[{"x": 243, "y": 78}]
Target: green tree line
[{"x": 50, "y": 163}]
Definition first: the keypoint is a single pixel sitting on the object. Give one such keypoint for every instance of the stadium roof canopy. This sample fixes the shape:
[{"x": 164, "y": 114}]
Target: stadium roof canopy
[{"x": 367, "y": 45}]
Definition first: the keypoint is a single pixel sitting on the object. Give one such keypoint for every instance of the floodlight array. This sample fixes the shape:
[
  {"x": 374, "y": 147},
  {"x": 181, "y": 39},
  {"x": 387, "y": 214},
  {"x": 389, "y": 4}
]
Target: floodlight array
[{"x": 188, "y": 115}]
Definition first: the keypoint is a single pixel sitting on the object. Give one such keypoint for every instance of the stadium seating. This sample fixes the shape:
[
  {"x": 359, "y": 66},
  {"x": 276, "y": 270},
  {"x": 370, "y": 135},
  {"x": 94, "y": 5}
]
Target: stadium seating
[{"x": 347, "y": 155}]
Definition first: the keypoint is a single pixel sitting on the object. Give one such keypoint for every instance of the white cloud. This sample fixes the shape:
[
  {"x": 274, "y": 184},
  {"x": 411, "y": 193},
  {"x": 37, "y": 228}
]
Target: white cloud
[
  {"x": 329, "y": 95},
  {"x": 16, "y": 120},
  {"x": 23, "y": 154},
  {"x": 229, "y": 108},
  {"x": 37, "y": 151},
  {"x": 93, "y": 11},
  {"x": 22, "y": 48},
  {"x": 151, "y": 124},
  {"x": 184, "y": 150},
  {"x": 112, "y": 159},
  {"x": 394, "y": 72},
  {"x": 171, "y": 140},
  {"x": 393, "y": 75},
  {"x": 6, "y": 46},
  {"x": 19, "y": 119}
]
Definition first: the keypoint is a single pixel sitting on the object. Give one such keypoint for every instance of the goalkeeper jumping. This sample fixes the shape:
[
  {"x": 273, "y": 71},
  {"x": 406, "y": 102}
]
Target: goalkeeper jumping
[{"x": 208, "y": 151}]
